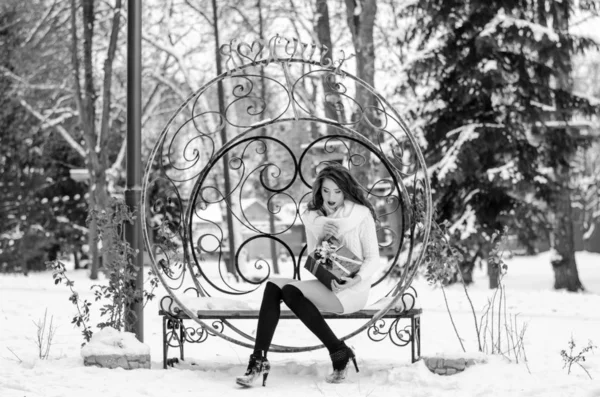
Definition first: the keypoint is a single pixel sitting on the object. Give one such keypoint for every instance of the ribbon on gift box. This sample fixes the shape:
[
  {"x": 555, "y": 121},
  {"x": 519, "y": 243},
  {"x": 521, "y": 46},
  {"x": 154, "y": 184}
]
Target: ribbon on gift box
[
  {"x": 327, "y": 251},
  {"x": 339, "y": 265},
  {"x": 333, "y": 255}
]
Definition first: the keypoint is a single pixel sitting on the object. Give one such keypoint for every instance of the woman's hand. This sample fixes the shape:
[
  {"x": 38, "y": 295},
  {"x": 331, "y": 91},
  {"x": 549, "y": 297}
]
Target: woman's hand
[
  {"x": 349, "y": 282},
  {"x": 330, "y": 229}
]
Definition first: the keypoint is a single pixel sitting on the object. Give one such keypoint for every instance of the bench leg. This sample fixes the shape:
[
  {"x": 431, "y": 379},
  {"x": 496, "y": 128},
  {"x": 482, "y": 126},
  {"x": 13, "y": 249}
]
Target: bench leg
[
  {"x": 181, "y": 339},
  {"x": 415, "y": 323},
  {"x": 173, "y": 329},
  {"x": 165, "y": 343}
]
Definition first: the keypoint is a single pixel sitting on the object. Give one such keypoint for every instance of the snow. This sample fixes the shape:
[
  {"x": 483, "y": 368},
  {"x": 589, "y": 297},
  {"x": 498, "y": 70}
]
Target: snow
[
  {"x": 211, "y": 214},
  {"x": 465, "y": 224},
  {"x": 109, "y": 341},
  {"x": 505, "y": 21},
  {"x": 448, "y": 162},
  {"x": 288, "y": 213},
  {"x": 385, "y": 370},
  {"x": 505, "y": 172},
  {"x": 215, "y": 303},
  {"x": 591, "y": 99},
  {"x": 489, "y": 65}
]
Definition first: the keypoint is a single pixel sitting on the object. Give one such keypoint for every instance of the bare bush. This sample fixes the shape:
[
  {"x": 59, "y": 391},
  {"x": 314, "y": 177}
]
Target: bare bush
[
  {"x": 569, "y": 358},
  {"x": 45, "y": 334}
]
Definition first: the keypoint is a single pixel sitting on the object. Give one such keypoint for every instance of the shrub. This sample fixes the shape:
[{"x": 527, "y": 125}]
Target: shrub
[{"x": 119, "y": 294}]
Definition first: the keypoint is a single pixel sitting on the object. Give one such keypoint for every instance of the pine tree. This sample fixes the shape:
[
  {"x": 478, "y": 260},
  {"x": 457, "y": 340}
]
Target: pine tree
[{"x": 492, "y": 72}]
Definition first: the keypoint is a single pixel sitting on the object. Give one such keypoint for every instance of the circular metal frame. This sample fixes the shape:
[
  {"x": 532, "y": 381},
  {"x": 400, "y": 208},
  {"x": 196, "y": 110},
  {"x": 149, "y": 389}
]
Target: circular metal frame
[{"x": 176, "y": 190}]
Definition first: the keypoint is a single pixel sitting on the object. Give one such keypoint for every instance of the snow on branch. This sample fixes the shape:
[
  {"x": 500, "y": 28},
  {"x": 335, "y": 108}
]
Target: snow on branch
[
  {"x": 170, "y": 50},
  {"x": 49, "y": 87},
  {"x": 505, "y": 21},
  {"x": 592, "y": 100},
  {"x": 466, "y": 224},
  {"x": 506, "y": 172},
  {"x": 61, "y": 130},
  {"x": 465, "y": 133}
]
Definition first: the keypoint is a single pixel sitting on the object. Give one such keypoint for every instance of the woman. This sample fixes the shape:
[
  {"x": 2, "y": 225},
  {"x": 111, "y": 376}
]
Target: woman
[{"x": 338, "y": 209}]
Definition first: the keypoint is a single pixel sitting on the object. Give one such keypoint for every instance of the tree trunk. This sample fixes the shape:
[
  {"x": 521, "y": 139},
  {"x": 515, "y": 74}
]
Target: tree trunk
[
  {"x": 563, "y": 239},
  {"x": 102, "y": 203},
  {"x": 323, "y": 29},
  {"x": 361, "y": 21},
  {"x": 93, "y": 238},
  {"x": 563, "y": 242},
  {"x": 466, "y": 270},
  {"x": 493, "y": 274},
  {"x": 86, "y": 98},
  {"x": 96, "y": 159},
  {"x": 223, "y": 133},
  {"x": 76, "y": 258},
  {"x": 263, "y": 94}
]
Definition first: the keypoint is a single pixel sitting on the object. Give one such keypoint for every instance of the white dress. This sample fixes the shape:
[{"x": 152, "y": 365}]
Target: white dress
[{"x": 357, "y": 232}]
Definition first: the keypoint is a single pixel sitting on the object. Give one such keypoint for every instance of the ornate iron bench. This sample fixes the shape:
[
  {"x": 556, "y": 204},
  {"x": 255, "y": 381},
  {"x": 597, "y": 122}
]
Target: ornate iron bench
[
  {"x": 175, "y": 333},
  {"x": 222, "y": 213}
]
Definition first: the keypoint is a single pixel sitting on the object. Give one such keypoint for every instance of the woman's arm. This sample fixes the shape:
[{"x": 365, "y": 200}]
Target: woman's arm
[
  {"x": 370, "y": 248},
  {"x": 311, "y": 241},
  {"x": 313, "y": 223}
]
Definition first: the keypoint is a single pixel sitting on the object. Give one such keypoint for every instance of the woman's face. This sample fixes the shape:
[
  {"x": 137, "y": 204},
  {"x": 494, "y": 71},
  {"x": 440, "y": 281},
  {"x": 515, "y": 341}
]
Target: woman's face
[{"x": 333, "y": 197}]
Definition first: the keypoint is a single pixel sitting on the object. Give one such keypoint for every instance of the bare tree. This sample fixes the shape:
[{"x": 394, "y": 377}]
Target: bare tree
[
  {"x": 361, "y": 21},
  {"x": 95, "y": 131},
  {"x": 323, "y": 29}
]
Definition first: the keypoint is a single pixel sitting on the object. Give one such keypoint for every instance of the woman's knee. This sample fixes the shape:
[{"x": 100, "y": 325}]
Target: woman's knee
[
  {"x": 291, "y": 294},
  {"x": 272, "y": 291}
]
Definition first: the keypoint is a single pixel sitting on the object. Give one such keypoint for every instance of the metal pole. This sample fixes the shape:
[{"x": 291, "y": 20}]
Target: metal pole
[
  {"x": 133, "y": 232},
  {"x": 231, "y": 264}
]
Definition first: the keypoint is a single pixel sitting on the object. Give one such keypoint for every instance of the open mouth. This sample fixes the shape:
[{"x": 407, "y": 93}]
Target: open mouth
[{"x": 331, "y": 204}]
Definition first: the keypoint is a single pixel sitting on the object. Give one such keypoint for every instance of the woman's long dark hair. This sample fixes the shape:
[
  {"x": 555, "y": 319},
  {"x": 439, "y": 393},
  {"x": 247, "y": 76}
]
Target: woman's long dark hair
[{"x": 347, "y": 184}]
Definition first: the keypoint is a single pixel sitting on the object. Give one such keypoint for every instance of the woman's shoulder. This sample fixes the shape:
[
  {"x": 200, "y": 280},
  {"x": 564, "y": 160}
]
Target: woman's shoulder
[{"x": 360, "y": 211}]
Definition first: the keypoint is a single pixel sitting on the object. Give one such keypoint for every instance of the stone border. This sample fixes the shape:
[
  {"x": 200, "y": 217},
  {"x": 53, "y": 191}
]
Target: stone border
[
  {"x": 450, "y": 366},
  {"x": 118, "y": 361}
]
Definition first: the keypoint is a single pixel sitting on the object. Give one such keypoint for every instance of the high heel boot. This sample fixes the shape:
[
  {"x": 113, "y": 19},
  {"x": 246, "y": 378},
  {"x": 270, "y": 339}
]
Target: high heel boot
[
  {"x": 340, "y": 359},
  {"x": 256, "y": 366}
]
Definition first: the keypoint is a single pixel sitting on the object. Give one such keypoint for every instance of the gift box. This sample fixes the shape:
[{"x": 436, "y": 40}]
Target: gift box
[{"x": 331, "y": 260}]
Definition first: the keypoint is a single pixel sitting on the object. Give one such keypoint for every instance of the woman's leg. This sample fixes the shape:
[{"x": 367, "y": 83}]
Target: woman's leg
[
  {"x": 268, "y": 318},
  {"x": 308, "y": 313}
]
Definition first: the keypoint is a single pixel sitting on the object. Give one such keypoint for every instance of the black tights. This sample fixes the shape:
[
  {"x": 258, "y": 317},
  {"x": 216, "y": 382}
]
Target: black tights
[{"x": 304, "y": 309}]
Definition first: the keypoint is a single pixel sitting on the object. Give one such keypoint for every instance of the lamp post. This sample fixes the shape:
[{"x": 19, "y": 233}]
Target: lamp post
[{"x": 133, "y": 232}]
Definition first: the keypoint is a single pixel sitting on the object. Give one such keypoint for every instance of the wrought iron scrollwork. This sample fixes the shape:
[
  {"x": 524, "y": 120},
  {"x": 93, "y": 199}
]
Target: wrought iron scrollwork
[
  {"x": 238, "y": 54},
  {"x": 172, "y": 337},
  {"x": 184, "y": 199},
  {"x": 399, "y": 336}
]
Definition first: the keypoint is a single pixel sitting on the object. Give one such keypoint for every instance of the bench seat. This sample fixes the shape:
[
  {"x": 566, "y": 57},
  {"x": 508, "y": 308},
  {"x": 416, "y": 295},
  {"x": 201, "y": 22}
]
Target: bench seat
[{"x": 288, "y": 314}]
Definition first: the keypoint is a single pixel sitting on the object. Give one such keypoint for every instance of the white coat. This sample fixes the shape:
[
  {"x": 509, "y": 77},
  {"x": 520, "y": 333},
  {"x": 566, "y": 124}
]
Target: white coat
[{"x": 357, "y": 232}]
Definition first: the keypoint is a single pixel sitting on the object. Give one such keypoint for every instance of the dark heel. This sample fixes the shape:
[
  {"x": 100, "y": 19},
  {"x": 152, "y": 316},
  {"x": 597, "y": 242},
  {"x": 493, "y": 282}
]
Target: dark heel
[
  {"x": 256, "y": 366},
  {"x": 355, "y": 364}
]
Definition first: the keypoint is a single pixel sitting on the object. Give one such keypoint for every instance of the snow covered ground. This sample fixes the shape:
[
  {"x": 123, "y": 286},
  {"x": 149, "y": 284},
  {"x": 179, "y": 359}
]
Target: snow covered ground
[{"x": 385, "y": 370}]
